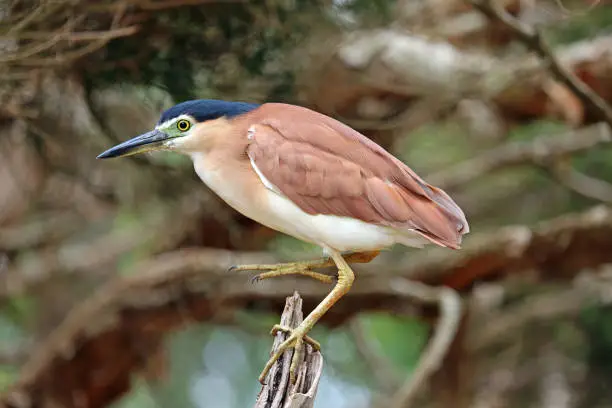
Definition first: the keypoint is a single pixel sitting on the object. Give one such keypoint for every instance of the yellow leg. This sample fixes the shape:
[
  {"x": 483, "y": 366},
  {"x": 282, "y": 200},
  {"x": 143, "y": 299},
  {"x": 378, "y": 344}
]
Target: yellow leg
[
  {"x": 298, "y": 335},
  {"x": 304, "y": 268}
]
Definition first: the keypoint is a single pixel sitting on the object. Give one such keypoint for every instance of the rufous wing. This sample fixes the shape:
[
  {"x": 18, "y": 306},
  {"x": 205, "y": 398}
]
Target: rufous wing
[{"x": 325, "y": 167}]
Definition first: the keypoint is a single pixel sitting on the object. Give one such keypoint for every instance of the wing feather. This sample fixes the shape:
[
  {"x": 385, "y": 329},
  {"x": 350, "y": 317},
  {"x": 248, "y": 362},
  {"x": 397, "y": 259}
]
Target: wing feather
[{"x": 325, "y": 167}]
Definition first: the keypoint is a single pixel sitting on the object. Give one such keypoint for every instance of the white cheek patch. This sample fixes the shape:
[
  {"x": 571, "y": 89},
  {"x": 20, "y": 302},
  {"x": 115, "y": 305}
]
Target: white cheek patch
[{"x": 178, "y": 141}]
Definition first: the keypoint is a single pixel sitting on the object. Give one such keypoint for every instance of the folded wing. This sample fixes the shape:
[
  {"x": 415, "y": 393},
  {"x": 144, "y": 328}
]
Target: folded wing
[{"x": 325, "y": 167}]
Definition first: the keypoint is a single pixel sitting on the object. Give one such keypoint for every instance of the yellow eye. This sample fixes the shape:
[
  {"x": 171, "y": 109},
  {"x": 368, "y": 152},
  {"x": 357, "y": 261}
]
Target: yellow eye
[{"x": 183, "y": 125}]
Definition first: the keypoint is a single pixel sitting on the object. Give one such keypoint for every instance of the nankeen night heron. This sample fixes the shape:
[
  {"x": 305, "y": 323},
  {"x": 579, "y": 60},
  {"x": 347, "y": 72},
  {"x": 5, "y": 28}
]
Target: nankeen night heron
[{"x": 309, "y": 176}]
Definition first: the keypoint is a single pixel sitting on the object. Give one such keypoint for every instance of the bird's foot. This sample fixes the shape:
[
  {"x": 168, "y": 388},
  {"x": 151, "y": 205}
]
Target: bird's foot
[
  {"x": 297, "y": 337},
  {"x": 304, "y": 268},
  {"x": 284, "y": 269}
]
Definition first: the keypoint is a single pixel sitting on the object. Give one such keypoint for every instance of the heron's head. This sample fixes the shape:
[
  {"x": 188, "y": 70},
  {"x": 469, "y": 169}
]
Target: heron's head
[{"x": 178, "y": 125}]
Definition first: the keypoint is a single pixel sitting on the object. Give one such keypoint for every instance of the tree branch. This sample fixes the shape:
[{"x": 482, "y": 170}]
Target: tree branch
[
  {"x": 542, "y": 150},
  {"x": 432, "y": 357},
  {"x": 72, "y": 257},
  {"x": 533, "y": 39},
  {"x": 582, "y": 184},
  {"x": 590, "y": 290}
]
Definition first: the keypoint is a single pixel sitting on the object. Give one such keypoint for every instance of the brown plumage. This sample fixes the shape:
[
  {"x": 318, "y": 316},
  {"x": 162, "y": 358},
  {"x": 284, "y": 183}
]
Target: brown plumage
[{"x": 325, "y": 167}]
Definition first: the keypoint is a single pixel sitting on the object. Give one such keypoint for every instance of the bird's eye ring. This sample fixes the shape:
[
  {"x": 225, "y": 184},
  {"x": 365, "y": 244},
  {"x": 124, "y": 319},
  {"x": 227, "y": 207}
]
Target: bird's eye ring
[{"x": 183, "y": 125}]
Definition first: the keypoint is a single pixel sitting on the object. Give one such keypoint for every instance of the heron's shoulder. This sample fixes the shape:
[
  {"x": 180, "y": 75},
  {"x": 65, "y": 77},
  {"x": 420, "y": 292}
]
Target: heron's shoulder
[{"x": 309, "y": 126}]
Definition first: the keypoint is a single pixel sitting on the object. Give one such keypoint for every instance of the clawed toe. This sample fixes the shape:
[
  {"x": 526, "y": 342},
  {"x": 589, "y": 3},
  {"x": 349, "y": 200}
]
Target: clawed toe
[
  {"x": 293, "y": 270},
  {"x": 296, "y": 339},
  {"x": 309, "y": 340},
  {"x": 254, "y": 267}
]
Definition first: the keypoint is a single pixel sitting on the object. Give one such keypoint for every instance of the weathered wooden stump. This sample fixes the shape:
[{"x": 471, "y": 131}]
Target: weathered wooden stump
[{"x": 279, "y": 392}]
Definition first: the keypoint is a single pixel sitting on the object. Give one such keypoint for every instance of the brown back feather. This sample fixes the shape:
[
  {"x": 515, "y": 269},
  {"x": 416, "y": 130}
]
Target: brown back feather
[{"x": 325, "y": 167}]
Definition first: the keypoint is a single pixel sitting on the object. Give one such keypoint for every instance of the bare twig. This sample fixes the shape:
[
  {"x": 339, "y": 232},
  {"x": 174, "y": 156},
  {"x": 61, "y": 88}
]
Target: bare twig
[
  {"x": 582, "y": 184},
  {"x": 36, "y": 15},
  {"x": 576, "y": 13},
  {"x": 43, "y": 41},
  {"x": 63, "y": 57},
  {"x": 81, "y": 35},
  {"x": 449, "y": 303},
  {"x": 166, "y": 4},
  {"x": 542, "y": 150},
  {"x": 278, "y": 392},
  {"x": 39, "y": 47},
  {"x": 533, "y": 38}
]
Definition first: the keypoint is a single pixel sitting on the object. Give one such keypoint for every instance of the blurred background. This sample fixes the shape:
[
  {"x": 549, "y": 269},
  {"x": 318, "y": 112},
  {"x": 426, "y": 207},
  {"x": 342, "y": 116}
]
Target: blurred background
[{"x": 113, "y": 282}]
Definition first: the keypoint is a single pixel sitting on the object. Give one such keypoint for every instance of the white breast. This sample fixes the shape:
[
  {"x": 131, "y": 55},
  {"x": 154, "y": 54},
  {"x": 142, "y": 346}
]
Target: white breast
[{"x": 222, "y": 181}]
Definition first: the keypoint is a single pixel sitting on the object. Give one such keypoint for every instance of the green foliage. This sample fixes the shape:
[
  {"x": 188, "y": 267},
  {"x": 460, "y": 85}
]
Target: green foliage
[
  {"x": 368, "y": 12},
  {"x": 7, "y": 376},
  {"x": 434, "y": 146},
  {"x": 400, "y": 338},
  {"x": 597, "y": 323},
  {"x": 140, "y": 396},
  {"x": 536, "y": 128},
  {"x": 20, "y": 311},
  {"x": 581, "y": 25},
  {"x": 185, "y": 50},
  {"x": 596, "y": 162},
  {"x": 10, "y": 332},
  {"x": 12, "y": 336},
  {"x": 287, "y": 247}
]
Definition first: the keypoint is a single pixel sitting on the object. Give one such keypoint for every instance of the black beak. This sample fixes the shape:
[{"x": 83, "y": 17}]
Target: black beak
[{"x": 149, "y": 141}]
